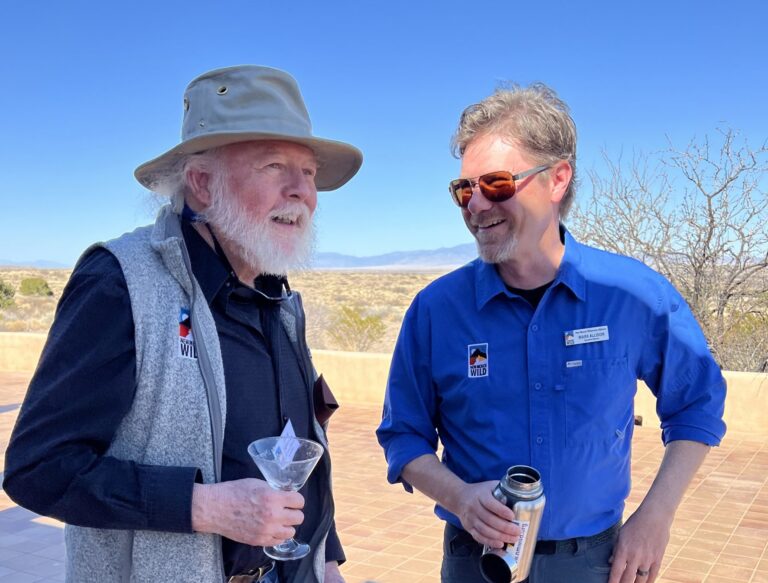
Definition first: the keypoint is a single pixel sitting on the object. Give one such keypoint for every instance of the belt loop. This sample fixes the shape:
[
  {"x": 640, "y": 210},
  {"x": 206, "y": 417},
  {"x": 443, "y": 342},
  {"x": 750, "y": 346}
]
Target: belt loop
[{"x": 581, "y": 545}]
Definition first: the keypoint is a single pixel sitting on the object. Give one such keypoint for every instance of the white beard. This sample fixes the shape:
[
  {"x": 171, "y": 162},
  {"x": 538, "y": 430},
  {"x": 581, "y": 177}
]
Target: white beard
[
  {"x": 489, "y": 248},
  {"x": 259, "y": 242}
]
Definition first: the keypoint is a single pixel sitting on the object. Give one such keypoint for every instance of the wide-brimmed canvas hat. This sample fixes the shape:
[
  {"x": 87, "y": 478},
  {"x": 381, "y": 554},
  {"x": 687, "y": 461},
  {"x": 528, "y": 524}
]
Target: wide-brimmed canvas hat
[{"x": 245, "y": 103}]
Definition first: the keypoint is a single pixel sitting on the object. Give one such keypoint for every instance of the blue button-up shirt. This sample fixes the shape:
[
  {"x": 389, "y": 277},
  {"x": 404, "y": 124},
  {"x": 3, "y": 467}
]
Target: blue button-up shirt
[{"x": 501, "y": 383}]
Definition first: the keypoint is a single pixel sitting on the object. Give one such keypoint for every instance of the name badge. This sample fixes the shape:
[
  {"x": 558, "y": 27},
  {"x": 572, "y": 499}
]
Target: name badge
[{"x": 586, "y": 335}]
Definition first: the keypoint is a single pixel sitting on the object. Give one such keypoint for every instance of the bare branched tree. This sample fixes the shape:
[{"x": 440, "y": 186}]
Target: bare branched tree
[{"x": 700, "y": 217}]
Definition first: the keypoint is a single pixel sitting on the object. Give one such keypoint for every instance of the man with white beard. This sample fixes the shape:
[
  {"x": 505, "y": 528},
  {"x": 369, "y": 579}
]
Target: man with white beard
[{"x": 177, "y": 345}]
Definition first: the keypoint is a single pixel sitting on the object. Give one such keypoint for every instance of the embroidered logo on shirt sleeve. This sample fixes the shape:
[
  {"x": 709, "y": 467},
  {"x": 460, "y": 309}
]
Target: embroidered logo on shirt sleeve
[
  {"x": 187, "y": 348},
  {"x": 477, "y": 360}
]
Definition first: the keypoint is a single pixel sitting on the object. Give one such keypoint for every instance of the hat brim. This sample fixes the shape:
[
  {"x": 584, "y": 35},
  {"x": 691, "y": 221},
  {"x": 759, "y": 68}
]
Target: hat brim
[{"x": 338, "y": 162}]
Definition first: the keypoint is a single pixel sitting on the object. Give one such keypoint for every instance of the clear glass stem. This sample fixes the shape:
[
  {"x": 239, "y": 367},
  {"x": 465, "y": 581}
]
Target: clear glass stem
[
  {"x": 287, "y": 551},
  {"x": 287, "y": 546}
]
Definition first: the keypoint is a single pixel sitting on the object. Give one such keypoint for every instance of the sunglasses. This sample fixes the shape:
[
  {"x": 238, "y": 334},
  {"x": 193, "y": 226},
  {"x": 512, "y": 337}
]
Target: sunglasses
[{"x": 495, "y": 186}]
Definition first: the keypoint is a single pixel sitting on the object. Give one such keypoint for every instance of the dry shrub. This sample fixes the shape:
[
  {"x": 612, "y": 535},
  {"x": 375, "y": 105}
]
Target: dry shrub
[
  {"x": 6, "y": 295},
  {"x": 35, "y": 286},
  {"x": 354, "y": 329},
  {"x": 385, "y": 294},
  {"x": 32, "y": 313}
]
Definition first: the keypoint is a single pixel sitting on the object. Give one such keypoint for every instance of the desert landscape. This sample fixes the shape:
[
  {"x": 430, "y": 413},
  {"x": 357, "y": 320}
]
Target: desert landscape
[{"x": 376, "y": 300}]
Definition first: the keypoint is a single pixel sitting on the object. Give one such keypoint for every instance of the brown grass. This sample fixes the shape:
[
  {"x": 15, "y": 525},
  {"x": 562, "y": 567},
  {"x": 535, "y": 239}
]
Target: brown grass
[
  {"x": 31, "y": 313},
  {"x": 379, "y": 293},
  {"x": 375, "y": 293}
]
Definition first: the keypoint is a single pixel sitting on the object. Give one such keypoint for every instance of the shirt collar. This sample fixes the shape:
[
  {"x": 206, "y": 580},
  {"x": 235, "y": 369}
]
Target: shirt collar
[
  {"x": 210, "y": 272},
  {"x": 488, "y": 282},
  {"x": 570, "y": 274}
]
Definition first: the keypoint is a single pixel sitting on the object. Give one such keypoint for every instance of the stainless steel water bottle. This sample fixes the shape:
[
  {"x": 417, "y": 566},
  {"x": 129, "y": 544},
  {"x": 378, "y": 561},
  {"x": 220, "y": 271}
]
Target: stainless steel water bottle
[{"x": 520, "y": 490}]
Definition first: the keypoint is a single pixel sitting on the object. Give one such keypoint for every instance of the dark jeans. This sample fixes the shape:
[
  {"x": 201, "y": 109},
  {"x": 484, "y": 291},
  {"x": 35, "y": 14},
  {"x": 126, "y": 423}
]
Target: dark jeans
[
  {"x": 461, "y": 557},
  {"x": 461, "y": 561}
]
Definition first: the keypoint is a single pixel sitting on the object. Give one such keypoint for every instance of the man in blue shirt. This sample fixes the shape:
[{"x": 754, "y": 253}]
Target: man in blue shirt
[{"x": 531, "y": 355}]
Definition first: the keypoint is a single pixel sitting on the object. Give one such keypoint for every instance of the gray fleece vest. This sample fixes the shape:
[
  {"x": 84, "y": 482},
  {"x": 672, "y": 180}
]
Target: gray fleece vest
[{"x": 177, "y": 417}]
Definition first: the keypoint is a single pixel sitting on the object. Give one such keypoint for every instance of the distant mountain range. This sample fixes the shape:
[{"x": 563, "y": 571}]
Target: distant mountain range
[
  {"x": 38, "y": 264},
  {"x": 443, "y": 258}
]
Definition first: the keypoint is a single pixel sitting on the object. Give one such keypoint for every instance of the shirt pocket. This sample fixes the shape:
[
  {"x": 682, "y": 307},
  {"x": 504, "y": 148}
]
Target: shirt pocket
[{"x": 598, "y": 398}]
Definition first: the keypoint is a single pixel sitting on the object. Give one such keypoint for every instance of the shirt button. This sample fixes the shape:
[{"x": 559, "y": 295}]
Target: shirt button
[
  {"x": 537, "y": 386},
  {"x": 535, "y": 327},
  {"x": 539, "y": 440}
]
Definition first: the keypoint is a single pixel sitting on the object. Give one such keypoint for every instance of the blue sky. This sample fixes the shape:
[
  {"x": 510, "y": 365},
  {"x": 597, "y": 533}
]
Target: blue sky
[{"x": 92, "y": 89}]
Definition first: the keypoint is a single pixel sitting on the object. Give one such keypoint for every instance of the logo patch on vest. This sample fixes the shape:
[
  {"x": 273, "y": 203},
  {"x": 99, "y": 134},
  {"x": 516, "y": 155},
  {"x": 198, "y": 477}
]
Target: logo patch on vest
[
  {"x": 477, "y": 360},
  {"x": 187, "y": 348}
]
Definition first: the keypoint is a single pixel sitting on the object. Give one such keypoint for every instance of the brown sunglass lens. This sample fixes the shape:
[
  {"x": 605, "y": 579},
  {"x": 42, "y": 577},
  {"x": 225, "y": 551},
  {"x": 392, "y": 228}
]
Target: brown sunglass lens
[
  {"x": 497, "y": 186},
  {"x": 462, "y": 191}
]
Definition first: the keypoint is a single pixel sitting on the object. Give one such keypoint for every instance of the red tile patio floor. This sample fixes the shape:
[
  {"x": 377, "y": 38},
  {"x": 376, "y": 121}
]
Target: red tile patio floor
[{"x": 720, "y": 533}]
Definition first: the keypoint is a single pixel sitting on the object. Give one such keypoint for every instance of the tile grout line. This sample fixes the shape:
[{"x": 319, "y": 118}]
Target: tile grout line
[
  {"x": 748, "y": 506},
  {"x": 686, "y": 497},
  {"x": 764, "y": 554}
]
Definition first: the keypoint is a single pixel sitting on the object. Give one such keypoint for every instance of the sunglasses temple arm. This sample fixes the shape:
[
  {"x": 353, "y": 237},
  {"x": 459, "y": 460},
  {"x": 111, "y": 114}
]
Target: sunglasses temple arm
[{"x": 531, "y": 171}]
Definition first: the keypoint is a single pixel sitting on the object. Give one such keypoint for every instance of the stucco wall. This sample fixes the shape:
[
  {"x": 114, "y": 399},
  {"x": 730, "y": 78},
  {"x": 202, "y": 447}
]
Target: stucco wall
[
  {"x": 361, "y": 377},
  {"x": 746, "y": 406}
]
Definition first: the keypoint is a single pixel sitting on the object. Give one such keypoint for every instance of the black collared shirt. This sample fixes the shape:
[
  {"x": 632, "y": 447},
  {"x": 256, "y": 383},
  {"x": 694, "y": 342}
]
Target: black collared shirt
[{"x": 84, "y": 385}]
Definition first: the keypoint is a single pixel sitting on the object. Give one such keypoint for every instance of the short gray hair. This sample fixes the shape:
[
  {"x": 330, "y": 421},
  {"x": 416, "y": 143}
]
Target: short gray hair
[{"x": 534, "y": 117}]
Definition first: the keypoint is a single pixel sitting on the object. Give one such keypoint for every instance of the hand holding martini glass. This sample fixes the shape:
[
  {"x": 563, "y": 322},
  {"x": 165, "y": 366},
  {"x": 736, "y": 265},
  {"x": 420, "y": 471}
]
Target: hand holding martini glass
[{"x": 286, "y": 463}]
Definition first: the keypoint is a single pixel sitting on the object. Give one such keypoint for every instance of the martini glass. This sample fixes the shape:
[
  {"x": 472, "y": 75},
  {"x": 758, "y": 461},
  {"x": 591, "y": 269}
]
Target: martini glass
[{"x": 286, "y": 463}]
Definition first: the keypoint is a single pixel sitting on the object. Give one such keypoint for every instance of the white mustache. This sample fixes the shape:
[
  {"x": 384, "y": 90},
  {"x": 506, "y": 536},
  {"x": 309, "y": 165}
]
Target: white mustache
[{"x": 295, "y": 212}]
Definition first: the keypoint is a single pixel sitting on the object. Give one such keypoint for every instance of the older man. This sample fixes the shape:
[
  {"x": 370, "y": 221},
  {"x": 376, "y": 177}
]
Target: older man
[
  {"x": 177, "y": 345},
  {"x": 564, "y": 331}
]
